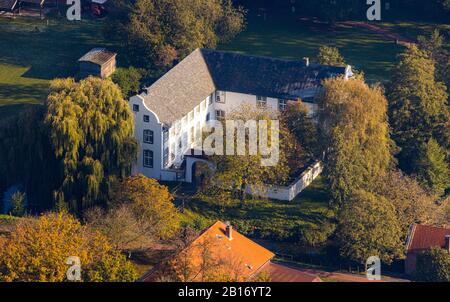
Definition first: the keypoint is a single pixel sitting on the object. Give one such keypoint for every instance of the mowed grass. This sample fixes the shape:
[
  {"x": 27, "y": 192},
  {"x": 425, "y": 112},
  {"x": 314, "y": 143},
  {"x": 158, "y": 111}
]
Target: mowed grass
[
  {"x": 265, "y": 219},
  {"x": 290, "y": 37},
  {"x": 33, "y": 52}
]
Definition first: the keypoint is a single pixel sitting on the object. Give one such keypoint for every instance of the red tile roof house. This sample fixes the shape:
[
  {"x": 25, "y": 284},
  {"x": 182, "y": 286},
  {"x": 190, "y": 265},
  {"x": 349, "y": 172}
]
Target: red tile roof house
[
  {"x": 251, "y": 258},
  {"x": 422, "y": 238}
]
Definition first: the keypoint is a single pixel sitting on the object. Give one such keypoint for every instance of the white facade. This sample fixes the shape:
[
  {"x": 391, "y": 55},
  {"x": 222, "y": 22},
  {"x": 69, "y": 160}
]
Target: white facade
[{"x": 170, "y": 143}]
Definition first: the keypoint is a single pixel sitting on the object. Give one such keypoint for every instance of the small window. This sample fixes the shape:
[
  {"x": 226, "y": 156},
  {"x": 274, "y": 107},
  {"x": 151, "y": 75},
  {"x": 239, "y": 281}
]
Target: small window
[
  {"x": 220, "y": 97},
  {"x": 146, "y": 119},
  {"x": 220, "y": 114},
  {"x": 148, "y": 158},
  {"x": 261, "y": 102},
  {"x": 282, "y": 105},
  {"x": 148, "y": 137},
  {"x": 208, "y": 117},
  {"x": 180, "y": 144},
  {"x": 135, "y": 108}
]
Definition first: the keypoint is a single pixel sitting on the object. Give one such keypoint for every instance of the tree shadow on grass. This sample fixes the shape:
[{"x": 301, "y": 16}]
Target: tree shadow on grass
[{"x": 34, "y": 93}]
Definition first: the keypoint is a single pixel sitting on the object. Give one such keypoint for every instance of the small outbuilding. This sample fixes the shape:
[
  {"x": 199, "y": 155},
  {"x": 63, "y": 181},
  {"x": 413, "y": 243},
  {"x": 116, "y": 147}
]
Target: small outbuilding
[{"x": 98, "y": 62}]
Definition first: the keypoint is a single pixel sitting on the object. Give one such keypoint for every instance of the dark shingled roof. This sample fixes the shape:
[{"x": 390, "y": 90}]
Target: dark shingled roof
[
  {"x": 205, "y": 71},
  {"x": 7, "y": 4},
  {"x": 98, "y": 56}
]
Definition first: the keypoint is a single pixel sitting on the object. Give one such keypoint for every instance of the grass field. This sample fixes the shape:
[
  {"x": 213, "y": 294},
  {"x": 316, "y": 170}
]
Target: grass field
[
  {"x": 32, "y": 53},
  {"x": 293, "y": 38},
  {"x": 266, "y": 219}
]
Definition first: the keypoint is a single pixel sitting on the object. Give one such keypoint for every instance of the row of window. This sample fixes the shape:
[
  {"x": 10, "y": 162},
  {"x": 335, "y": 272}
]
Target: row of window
[{"x": 261, "y": 102}]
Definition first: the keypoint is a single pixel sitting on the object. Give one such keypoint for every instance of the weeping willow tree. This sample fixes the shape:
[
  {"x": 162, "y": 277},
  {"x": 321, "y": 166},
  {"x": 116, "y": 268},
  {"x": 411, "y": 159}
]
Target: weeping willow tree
[{"x": 90, "y": 127}]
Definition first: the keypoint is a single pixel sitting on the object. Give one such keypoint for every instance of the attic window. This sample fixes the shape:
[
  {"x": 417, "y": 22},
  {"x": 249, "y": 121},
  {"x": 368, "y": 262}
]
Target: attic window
[{"x": 135, "y": 108}]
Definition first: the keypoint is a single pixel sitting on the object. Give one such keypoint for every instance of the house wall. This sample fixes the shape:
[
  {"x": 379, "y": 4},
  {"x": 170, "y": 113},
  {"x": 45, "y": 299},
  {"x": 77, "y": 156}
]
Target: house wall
[
  {"x": 179, "y": 135},
  {"x": 108, "y": 68},
  {"x": 288, "y": 193},
  {"x": 410, "y": 263}
]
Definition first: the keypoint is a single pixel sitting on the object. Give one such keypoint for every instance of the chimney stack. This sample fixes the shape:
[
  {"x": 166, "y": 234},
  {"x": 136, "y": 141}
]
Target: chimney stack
[
  {"x": 306, "y": 60},
  {"x": 447, "y": 243},
  {"x": 229, "y": 231}
]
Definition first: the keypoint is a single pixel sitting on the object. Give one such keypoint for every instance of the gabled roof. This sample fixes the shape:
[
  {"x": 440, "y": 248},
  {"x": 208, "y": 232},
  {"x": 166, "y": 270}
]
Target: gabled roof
[
  {"x": 98, "y": 56},
  {"x": 240, "y": 252},
  {"x": 282, "y": 273},
  {"x": 204, "y": 71},
  {"x": 424, "y": 237},
  {"x": 8, "y": 4}
]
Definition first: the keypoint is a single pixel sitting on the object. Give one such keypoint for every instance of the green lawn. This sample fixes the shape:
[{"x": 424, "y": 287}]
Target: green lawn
[
  {"x": 291, "y": 38},
  {"x": 411, "y": 30},
  {"x": 265, "y": 219},
  {"x": 32, "y": 53}
]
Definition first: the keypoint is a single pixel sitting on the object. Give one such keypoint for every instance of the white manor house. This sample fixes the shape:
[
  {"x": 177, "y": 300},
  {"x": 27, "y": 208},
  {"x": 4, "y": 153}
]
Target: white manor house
[{"x": 207, "y": 85}]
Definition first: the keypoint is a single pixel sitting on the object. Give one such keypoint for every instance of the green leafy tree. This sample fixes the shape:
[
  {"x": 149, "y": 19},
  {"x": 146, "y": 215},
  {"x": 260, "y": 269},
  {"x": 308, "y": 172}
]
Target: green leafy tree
[
  {"x": 433, "y": 45},
  {"x": 128, "y": 80},
  {"x": 418, "y": 109},
  {"x": 368, "y": 226},
  {"x": 27, "y": 158},
  {"x": 18, "y": 204},
  {"x": 301, "y": 124},
  {"x": 235, "y": 173},
  {"x": 330, "y": 56},
  {"x": 91, "y": 130},
  {"x": 355, "y": 135},
  {"x": 432, "y": 167},
  {"x": 157, "y": 32},
  {"x": 412, "y": 203},
  {"x": 433, "y": 266}
]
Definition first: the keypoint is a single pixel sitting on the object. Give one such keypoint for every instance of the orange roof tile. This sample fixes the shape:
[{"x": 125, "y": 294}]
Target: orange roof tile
[
  {"x": 281, "y": 273},
  {"x": 240, "y": 255}
]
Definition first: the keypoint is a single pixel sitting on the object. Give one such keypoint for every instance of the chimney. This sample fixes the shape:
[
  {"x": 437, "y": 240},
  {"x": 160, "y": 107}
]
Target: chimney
[
  {"x": 229, "y": 231},
  {"x": 447, "y": 243},
  {"x": 306, "y": 60}
]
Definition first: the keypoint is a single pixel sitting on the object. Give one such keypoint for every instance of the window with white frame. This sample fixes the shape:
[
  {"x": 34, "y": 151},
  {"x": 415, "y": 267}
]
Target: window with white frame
[
  {"x": 148, "y": 158},
  {"x": 220, "y": 97},
  {"x": 220, "y": 114},
  {"x": 148, "y": 136},
  {"x": 261, "y": 102},
  {"x": 146, "y": 119},
  {"x": 282, "y": 104}
]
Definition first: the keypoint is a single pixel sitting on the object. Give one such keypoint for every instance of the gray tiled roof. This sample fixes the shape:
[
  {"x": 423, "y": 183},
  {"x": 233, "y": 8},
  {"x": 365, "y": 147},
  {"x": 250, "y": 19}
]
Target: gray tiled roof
[{"x": 205, "y": 71}]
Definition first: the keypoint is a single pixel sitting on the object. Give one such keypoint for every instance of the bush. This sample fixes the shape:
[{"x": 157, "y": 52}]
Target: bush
[
  {"x": 433, "y": 266},
  {"x": 128, "y": 80},
  {"x": 18, "y": 204}
]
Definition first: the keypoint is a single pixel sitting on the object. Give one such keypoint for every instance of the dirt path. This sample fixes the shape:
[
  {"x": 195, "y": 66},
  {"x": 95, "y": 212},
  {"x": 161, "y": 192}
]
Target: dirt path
[{"x": 386, "y": 33}]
